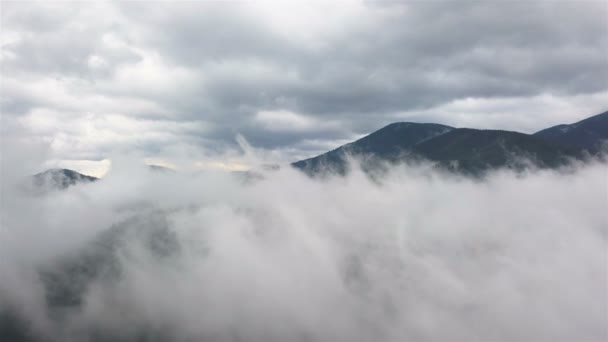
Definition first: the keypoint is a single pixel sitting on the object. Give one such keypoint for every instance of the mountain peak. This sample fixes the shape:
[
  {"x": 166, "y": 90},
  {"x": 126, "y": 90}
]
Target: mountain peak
[
  {"x": 587, "y": 134},
  {"x": 60, "y": 178},
  {"x": 389, "y": 142},
  {"x": 472, "y": 150}
]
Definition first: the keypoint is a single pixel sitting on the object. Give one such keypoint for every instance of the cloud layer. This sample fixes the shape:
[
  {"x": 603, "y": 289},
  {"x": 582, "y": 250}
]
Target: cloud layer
[
  {"x": 95, "y": 79},
  {"x": 421, "y": 256}
]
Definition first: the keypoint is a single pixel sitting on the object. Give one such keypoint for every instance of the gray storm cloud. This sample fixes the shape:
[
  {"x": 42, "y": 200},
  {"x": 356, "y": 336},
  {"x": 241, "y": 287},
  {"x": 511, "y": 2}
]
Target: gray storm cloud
[
  {"x": 75, "y": 74},
  {"x": 417, "y": 256}
]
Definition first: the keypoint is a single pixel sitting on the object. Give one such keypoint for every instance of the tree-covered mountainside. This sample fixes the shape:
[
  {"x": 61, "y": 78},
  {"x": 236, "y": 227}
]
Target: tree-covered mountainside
[
  {"x": 463, "y": 149},
  {"x": 474, "y": 151},
  {"x": 387, "y": 143},
  {"x": 60, "y": 178},
  {"x": 586, "y": 134}
]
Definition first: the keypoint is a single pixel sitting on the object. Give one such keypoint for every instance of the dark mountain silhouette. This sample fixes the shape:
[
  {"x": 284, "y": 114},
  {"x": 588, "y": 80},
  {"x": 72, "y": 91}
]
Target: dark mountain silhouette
[
  {"x": 60, "y": 179},
  {"x": 475, "y": 151},
  {"x": 388, "y": 143},
  {"x": 587, "y": 134},
  {"x": 466, "y": 150}
]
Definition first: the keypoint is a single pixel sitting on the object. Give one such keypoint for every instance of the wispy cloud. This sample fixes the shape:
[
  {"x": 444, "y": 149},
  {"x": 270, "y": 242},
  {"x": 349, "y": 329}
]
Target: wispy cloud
[{"x": 418, "y": 256}]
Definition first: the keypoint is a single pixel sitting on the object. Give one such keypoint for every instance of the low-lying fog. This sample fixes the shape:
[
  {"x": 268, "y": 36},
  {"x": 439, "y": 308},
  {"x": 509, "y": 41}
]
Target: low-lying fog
[{"x": 420, "y": 255}]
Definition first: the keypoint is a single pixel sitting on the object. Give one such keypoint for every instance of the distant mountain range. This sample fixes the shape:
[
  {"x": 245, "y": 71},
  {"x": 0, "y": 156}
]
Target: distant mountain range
[
  {"x": 466, "y": 150},
  {"x": 587, "y": 134}
]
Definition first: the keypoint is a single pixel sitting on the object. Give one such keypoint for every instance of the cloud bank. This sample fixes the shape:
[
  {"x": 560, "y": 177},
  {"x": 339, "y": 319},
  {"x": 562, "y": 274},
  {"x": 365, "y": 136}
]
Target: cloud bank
[{"x": 417, "y": 256}]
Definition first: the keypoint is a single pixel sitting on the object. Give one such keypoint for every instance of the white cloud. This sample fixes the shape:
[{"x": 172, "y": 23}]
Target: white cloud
[
  {"x": 96, "y": 62},
  {"x": 533, "y": 113},
  {"x": 309, "y": 23},
  {"x": 150, "y": 77},
  {"x": 418, "y": 256},
  {"x": 287, "y": 121}
]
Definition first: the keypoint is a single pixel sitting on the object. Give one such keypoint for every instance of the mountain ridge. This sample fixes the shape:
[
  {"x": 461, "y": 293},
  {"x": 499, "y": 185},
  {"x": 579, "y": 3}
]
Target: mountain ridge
[
  {"x": 586, "y": 134},
  {"x": 472, "y": 150},
  {"x": 60, "y": 178},
  {"x": 382, "y": 143},
  {"x": 466, "y": 150}
]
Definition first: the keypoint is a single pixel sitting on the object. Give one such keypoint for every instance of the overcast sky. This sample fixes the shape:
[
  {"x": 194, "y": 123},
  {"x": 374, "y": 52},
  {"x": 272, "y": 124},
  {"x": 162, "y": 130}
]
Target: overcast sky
[{"x": 178, "y": 82}]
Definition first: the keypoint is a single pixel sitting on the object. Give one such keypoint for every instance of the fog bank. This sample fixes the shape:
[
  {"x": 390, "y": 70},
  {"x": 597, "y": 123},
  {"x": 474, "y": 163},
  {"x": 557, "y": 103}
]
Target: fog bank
[{"x": 420, "y": 255}]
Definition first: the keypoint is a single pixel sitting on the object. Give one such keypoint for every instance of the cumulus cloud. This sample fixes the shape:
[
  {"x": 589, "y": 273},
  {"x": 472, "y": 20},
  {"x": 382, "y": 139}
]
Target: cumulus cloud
[
  {"x": 357, "y": 65},
  {"x": 421, "y": 256}
]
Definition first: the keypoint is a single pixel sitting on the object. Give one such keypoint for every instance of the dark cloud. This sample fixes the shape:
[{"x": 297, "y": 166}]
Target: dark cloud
[{"x": 357, "y": 65}]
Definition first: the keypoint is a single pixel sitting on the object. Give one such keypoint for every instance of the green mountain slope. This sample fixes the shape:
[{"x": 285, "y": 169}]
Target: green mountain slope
[
  {"x": 389, "y": 142},
  {"x": 466, "y": 150},
  {"x": 588, "y": 134},
  {"x": 474, "y": 151}
]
